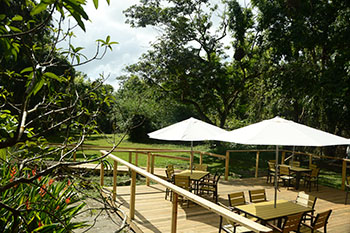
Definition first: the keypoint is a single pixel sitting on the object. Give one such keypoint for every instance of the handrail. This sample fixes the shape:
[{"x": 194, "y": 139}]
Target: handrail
[{"x": 254, "y": 226}]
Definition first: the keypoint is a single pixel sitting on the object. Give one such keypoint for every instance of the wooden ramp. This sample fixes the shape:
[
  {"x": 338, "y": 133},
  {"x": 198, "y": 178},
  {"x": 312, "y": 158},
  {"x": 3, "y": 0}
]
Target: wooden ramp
[{"x": 153, "y": 212}]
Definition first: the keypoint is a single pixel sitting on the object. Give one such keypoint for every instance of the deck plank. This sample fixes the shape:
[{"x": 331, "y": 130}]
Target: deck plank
[{"x": 153, "y": 212}]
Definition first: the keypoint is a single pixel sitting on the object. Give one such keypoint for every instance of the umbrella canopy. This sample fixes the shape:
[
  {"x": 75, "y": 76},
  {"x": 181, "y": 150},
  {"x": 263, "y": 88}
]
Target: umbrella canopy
[
  {"x": 188, "y": 130},
  {"x": 191, "y": 130},
  {"x": 280, "y": 132}
]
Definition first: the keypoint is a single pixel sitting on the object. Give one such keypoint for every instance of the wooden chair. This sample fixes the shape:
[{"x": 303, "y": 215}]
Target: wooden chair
[
  {"x": 285, "y": 175},
  {"x": 185, "y": 183},
  {"x": 229, "y": 226},
  {"x": 347, "y": 189},
  {"x": 294, "y": 163},
  {"x": 320, "y": 221},
  {"x": 256, "y": 196},
  {"x": 291, "y": 223},
  {"x": 211, "y": 188},
  {"x": 307, "y": 201},
  {"x": 170, "y": 178},
  {"x": 312, "y": 178},
  {"x": 236, "y": 198},
  {"x": 271, "y": 170},
  {"x": 200, "y": 167}
]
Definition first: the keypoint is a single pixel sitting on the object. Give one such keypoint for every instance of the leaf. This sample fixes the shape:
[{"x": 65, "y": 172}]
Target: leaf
[
  {"x": 38, "y": 86},
  {"x": 38, "y": 8},
  {"x": 17, "y": 18},
  {"x": 25, "y": 70},
  {"x": 53, "y": 76},
  {"x": 96, "y": 4}
]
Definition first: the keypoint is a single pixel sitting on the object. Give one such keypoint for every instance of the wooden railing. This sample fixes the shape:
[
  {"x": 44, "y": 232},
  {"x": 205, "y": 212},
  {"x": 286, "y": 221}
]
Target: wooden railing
[
  {"x": 284, "y": 159},
  {"x": 254, "y": 226}
]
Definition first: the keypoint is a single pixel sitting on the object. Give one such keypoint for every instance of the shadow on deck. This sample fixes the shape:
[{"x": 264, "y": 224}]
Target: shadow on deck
[{"x": 153, "y": 212}]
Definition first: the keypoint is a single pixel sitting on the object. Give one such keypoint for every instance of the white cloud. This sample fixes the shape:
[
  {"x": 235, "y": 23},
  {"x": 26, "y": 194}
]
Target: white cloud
[{"x": 109, "y": 20}]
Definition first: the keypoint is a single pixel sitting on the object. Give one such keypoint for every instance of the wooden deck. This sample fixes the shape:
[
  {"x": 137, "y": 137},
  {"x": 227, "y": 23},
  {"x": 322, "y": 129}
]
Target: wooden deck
[{"x": 153, "y": 212}]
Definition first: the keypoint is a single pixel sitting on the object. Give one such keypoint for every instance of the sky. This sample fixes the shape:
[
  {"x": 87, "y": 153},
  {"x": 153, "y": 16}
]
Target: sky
[{"x": 110, "y": 20}]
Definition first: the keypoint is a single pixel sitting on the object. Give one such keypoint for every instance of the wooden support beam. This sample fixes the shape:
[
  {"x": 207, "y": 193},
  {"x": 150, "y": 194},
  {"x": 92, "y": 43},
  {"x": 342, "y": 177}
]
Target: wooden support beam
[
  {"x": 102, "y": 174},
  {"x": 132, "y": 195},
  {"x": 148, "y": 166},
  {"x": 115, "y": 171},
  {"x": 130, "y": 157},
  {"x": 227, "y": 163},
  {"x": 136, "y": 159},
  {"x": 152, "y": 164},
  {"x": 257, "y": 164},
  {"x": 174, "y": 212}
]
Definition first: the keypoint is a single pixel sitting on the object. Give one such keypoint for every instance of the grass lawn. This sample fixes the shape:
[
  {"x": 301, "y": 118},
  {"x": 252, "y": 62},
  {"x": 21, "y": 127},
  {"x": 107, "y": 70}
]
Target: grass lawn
[{"x": 242, "y": 165}]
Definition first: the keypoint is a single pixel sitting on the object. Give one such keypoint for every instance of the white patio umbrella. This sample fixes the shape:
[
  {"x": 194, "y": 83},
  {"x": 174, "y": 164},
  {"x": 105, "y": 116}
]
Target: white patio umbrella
[
  {"x": 280, "y": 132},
  {"x": 188, "y": 130}
]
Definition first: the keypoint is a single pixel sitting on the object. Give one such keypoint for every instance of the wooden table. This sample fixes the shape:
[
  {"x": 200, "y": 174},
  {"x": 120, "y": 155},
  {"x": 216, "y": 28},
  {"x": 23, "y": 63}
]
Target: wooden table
[
  {"x": 195, "y": 176},
  {"x": 265, "y": 211},
  {"x": 298, "y": 171}
]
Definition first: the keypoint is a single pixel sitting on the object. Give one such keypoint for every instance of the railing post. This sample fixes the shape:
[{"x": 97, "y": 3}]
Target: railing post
[
  {"x": 227, "y": 163},
  {"x": 283, "y": 157},
  {"x": 137, "y": 159},
  {"x": 130, "y": 157},
  {"x": 148, "y": 166},
  {"x": 174, "y": 213},
  {"x": 102, "y": 174},
  {"x": 115, "y": 171},
  {"x": 152, "y": 164},
  {"x": 132, "y": 195},
  {"x": 201, "y": 158},
  {"x": 257, "y": 164},
  {"x": 343, "y": 175}
]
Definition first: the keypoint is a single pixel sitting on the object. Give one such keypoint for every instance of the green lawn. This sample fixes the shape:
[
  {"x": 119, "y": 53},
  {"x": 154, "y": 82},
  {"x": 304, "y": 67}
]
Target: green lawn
[{"x": 242, "y": 165}]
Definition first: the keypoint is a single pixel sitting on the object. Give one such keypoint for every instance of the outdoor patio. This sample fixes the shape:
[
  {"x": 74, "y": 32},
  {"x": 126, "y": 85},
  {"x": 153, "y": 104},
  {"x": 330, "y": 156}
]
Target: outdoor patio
[{"x": 153, "y": 212}]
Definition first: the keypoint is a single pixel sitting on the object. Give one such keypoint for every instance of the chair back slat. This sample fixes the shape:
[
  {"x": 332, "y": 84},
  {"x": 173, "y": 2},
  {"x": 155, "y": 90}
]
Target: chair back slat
[
  {"x": 182, "y": 181},
  {"x": 315, "y": 172},
  {"x": 258, "y": 195},
  {"x": 237, "y": 198},
  {"x": 200, "y": 167},
  {"x": 169, "y": 171},
  {"x": 284, "y": 170},
  {"x": 306, "y": 200},
  {"x": 294, "y": 163},
  {"x": 292, "y": 223},
  {"x": 271, "y": 166},
  {"x": 321, "y": 219}
]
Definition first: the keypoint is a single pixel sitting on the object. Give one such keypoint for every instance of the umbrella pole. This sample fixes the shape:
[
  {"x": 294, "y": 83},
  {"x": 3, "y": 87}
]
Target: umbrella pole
[
  {"x": 191, "y": 157},
  {"x": 276, "y": 181}
]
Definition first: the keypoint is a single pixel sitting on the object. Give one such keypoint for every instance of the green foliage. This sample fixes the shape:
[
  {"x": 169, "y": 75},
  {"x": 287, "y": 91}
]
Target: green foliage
[
  {"x": 44, "y": 204},
  {"x": 189, "y": 63}
]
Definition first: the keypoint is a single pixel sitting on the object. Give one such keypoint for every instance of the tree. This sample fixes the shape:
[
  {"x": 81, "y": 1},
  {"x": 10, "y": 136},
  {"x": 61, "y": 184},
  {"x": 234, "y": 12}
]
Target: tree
[
  {"x": 310, "y": 59},
  {"x": 189, "y": 62},
  {"x": 39, "y": 96}
]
